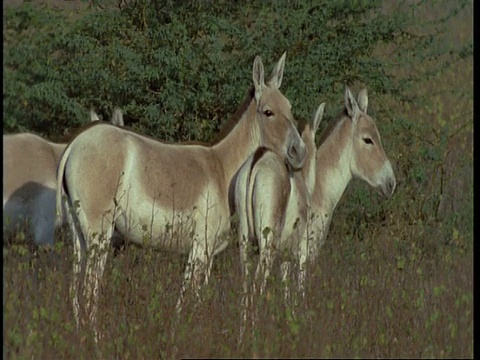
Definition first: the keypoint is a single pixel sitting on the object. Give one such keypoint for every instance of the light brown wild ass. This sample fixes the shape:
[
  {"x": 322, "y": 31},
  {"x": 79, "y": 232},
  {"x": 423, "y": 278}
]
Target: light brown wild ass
[
  {"x": 272, "y": 203},
  {"x": 29, "y": 182},
  {"x": 350, "y": 147},
  {"x": 171, "y": 196}
]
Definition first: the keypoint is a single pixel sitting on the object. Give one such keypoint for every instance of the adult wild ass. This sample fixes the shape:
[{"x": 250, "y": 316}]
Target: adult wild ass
[
  {"x": 272, "y": 202},
  {"x": 170, "y": 196},
  {"x": 349, "y": 147},
  {"x": 29, "y": 181}
]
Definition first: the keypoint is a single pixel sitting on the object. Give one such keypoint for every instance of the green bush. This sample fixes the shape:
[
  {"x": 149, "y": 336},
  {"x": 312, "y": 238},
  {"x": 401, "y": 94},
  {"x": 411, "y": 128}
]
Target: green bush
[{"x": 178, "y": 69}]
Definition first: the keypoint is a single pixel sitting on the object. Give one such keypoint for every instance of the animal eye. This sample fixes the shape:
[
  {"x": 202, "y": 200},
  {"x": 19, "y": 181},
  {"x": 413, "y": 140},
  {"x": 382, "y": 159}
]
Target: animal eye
[
  {"x": 268, "y": 113},
  {"x": 368, "y": 141}
]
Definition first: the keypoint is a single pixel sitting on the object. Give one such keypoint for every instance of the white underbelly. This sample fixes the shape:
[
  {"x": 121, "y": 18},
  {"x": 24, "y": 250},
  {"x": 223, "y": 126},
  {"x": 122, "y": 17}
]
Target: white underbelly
[{"x": 174, "y": 231}]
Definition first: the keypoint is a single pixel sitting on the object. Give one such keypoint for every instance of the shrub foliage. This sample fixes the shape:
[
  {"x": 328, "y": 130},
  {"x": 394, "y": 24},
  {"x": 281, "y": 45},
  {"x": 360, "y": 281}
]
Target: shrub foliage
[{"x": 178, "y": 69}]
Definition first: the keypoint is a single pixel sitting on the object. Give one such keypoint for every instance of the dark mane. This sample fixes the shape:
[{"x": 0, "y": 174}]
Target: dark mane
[
  {"x": 73, "y": 133},
  {"x": 224, "y": 131},
  {"x": 77, "y": 131},
  {"x": 328, "y": 130},
  {"x": 192, "y": 142},
  {"x": 302, "y": 123},
  {"x": 230, "y": 124}
]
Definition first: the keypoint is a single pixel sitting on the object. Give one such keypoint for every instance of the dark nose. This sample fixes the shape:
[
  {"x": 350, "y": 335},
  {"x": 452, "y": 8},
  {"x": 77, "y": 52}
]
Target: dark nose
[
  {"x": 390, "y": 187},
  {"x": 292, "y": 152},
  {"x": 296, "y": 155}
]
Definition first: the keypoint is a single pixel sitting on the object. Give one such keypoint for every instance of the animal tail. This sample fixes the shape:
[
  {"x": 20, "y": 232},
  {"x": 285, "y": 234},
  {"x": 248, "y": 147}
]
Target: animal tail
[
  {"x": 248, "y": 202},
  {"x": 250, "y": 189}
]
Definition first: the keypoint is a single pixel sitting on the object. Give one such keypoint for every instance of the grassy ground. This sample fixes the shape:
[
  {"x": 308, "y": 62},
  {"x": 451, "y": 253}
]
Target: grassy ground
[{"x": 393, "y": 282}]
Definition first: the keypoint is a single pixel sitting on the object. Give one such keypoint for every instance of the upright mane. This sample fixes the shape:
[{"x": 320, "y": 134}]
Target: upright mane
[
  {"x": 230, "y": 124},
  {"x": 74, "y": 132},
  {"x": 224, "y": 131},
  {"x": 331, "y": 126}
]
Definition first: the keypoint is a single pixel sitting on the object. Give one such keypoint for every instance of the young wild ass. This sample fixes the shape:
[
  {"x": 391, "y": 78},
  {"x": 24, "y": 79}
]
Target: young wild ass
[
  {"x": 29, "y": 181},
  {"x": 272, "y": 202},
  {"x": 170, "y": 196}
]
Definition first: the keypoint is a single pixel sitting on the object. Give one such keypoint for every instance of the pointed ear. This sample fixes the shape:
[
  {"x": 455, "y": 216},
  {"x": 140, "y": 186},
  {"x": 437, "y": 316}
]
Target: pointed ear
[
  {"x": 317, "y": 119},
  {"x": 276, "y": 76},
  {"x": 363, "y": 100},
  {"x": 351, "y": 104},
  {"x": 117, "y": 117},
  {"x": 258, "y": 77},
  {"x": 93, "y": 115}
]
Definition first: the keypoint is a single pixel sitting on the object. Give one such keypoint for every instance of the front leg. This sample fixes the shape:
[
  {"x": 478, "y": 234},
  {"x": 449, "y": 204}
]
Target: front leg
[{"x": 196, "y": 267}]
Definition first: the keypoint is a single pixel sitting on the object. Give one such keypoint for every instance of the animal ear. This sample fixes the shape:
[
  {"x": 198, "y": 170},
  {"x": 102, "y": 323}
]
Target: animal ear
[
  {"x": 318, "y": 117},
  {"x": 363, "y": 100},
  {"x": 258, "y": 77},
  {"x": 93, "y": 115},
  {"x": 117, "y": 117},
  {"x": 276, "y": 76},
  {"x": 351, "y": 104}
]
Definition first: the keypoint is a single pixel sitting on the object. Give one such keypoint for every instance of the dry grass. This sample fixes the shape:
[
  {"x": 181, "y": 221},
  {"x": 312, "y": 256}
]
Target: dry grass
[{"x": 398, "y": 293}]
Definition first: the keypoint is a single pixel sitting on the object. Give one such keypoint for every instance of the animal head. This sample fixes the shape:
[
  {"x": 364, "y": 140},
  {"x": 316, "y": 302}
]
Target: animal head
[
  {"x": 369, "y": 161},
  {"x": 278, "y": 128}
]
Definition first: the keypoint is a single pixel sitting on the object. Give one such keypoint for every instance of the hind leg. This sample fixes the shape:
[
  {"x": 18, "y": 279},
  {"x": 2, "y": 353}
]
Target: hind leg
[
  {"x": 92, "y": 235},
  {"x": 79, "y": 257},
  {"x": 265, "y": 264},
  {"x": 244, "y": 261},
  {"x": 266, "y": 239},
  {"x": 94, "y": 269},
  {"x": 269, "y": 201},
  {"x": 268, "y": 231},
  {"x": 78, "y": 265}
]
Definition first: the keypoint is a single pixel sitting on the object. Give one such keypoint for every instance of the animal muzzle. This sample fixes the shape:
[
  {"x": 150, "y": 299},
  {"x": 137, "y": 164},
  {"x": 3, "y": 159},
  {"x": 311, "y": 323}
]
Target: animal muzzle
[
  {"x": 388, "y": 187},
  {"x": 296, "y": 155}
]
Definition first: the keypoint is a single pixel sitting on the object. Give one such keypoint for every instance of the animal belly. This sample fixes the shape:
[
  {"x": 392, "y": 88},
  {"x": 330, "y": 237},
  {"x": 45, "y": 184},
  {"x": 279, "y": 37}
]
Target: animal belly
[
  {"x": 175, "y": 232},
  {"x": 170, "y": 232},
  {"x": 153, "y": 224}
]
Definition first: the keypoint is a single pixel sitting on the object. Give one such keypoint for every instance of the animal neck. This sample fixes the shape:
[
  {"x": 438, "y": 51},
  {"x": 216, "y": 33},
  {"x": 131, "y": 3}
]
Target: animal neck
[
  {"x": 240, "y": 142},
  {"x": 333, "y": 169}
]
